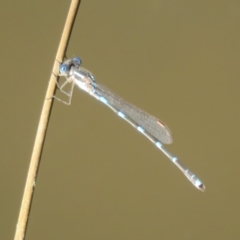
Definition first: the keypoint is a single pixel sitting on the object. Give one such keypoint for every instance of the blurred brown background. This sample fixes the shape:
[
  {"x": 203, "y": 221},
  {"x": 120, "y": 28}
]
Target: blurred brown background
[{"x": 99, "y": 178}]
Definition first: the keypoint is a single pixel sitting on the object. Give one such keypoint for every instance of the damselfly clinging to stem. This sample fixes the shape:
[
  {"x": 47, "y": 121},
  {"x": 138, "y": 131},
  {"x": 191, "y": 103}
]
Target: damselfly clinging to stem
[{"x": 156, "y": 131}]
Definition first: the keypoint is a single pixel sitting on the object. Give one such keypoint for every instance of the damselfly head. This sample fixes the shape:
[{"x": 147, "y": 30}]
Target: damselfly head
[{"x": 68, "y": 64}]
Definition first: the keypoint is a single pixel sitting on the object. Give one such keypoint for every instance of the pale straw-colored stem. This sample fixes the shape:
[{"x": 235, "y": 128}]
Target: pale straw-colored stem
[{"x": 43, "y": 124}]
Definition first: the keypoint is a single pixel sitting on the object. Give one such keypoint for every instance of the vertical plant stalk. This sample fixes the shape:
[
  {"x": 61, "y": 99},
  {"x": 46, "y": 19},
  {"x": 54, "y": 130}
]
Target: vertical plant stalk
[{"x": 43, "y": 124}]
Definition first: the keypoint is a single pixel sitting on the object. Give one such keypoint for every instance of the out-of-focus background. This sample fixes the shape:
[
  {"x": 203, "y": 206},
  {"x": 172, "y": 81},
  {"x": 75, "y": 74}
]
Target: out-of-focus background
[{"x": 99, "y": 178}]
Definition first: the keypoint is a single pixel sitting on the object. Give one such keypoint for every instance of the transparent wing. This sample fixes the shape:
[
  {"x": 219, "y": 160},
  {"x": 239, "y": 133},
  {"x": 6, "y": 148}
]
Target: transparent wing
[{"x": 150, "y": 123}]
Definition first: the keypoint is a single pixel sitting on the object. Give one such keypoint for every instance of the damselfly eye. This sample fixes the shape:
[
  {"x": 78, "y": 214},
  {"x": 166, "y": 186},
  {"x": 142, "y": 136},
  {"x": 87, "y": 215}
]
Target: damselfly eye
[
  {"x": 63, "y": 69},
  {"x": 77, "y": 61}
]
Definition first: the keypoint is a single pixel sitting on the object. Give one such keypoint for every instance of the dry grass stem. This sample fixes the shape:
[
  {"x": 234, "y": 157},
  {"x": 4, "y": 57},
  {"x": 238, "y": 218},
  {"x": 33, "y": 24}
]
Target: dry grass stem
[{"x": 43, "y": 124}]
